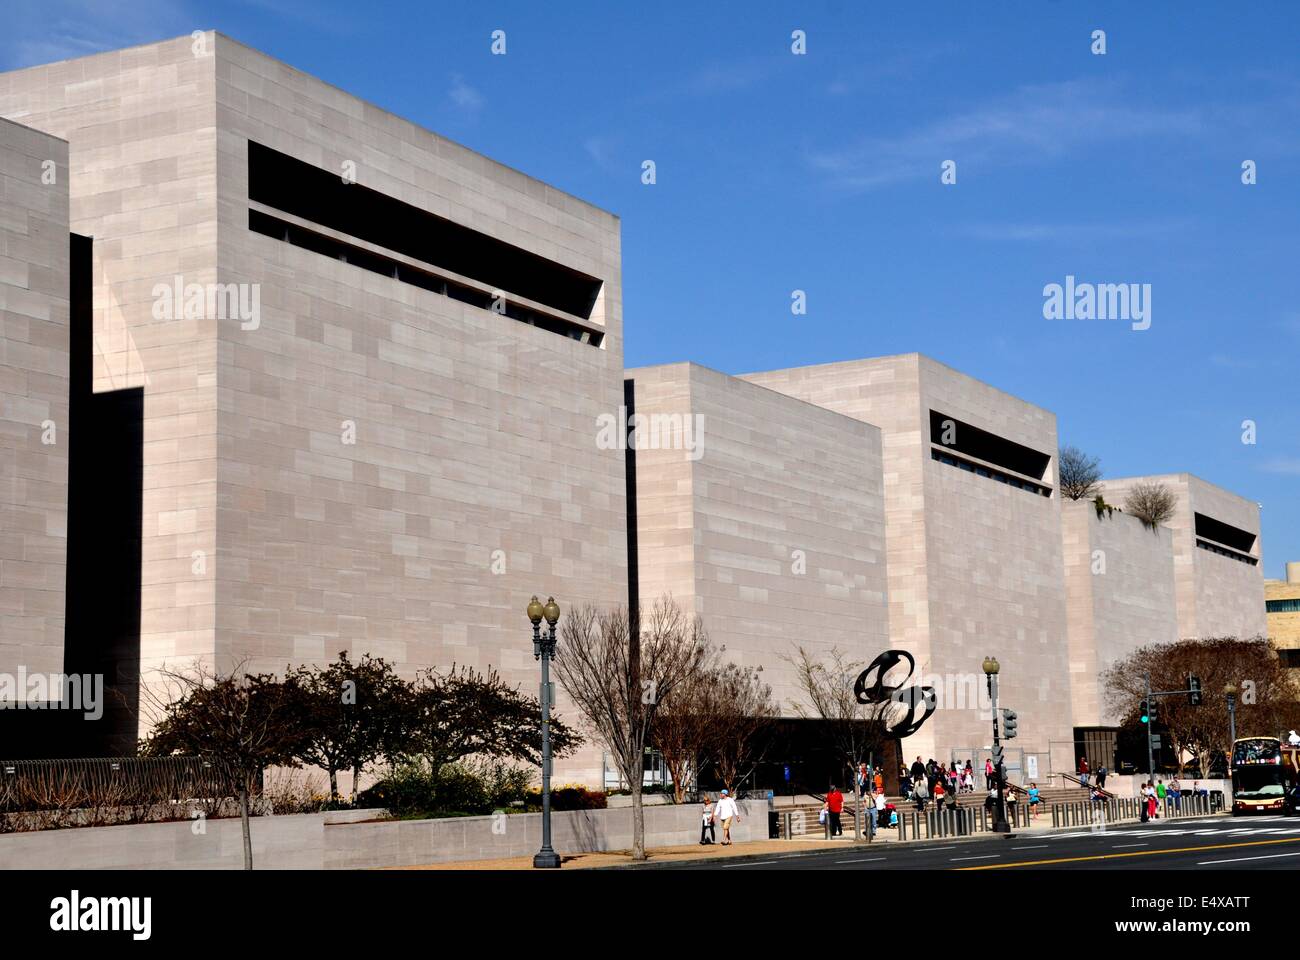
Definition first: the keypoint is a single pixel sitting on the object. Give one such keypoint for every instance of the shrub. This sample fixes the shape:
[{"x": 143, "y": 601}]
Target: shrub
[
  {"x": 467, "y": 788},
  {"x": 570, "y": 796}
]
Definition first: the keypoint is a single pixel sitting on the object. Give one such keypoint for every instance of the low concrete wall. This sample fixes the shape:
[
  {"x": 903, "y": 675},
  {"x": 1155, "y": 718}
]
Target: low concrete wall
[{"x": 337, "y": 840}]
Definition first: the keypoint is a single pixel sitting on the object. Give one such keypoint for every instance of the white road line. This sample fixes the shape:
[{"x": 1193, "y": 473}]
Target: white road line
[
  {"x": 991, "y": 856},
  {"x": 929, "y": 849},
  {"x": 867, "y": 860},
  {"x": 1037, "y": 846},
  {"x": 755, "y": 863},
  {"x": 1271, "y": 856},
  {"x": 1121, "y": 846}
]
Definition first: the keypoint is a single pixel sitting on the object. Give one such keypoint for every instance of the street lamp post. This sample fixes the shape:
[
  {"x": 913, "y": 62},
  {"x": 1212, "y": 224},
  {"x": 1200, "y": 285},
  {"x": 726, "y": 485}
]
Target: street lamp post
[
  {"x": 544, "y": 650},
  {"x": 991, "y": 668},
  {"x": 1230, "y": 691}
]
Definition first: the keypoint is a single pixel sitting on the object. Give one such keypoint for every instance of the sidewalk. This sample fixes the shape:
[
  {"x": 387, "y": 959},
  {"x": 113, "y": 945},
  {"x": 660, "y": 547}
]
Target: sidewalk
[
  {"x": 619, "y": 858},
  {"x": 795, "y": 847}
]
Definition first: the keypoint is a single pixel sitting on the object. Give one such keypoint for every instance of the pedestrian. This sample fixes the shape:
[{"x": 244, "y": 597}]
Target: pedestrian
[
  {"x": 1176, "y": 792},
  {"x": 939, "y": 794},
  {"x": 726, "y": 811},
  {"x": 834, "y": 807},
  {"x": 1083, "y": 771},
  {"x": 1101, "y": 776},
  {"x": 882, "y": 807},
  {"x": 988, "y": 773},
  {"x": 918, "y": 770},
  {"x": 920, "y": 794},
  {"x": 905, "y": 785},
  {"x": 1153, "y": 811},
  {"x": 1012, "y": 799},
  {"x": 707, "y": 824},
  {"x": 879, "y": 781},
  {"x": 1034, "y": 799}
]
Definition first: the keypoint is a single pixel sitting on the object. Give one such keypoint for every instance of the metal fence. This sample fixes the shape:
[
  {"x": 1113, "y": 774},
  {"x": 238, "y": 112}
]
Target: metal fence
[
  {"x": 34, "y": 784},
  {"x": 1091, "y": 813}
]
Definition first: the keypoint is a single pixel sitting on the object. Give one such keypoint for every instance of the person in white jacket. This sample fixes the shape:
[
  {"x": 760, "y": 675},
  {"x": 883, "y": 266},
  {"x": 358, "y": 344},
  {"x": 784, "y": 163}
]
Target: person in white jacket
[{"x": 725, "y": 811}]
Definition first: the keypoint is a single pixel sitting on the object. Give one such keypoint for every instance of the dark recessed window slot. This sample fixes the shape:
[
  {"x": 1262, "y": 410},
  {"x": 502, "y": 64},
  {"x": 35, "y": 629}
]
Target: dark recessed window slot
[
  {"x": 321, "y": 196},
  {"x": 963, "y": 438},
  {"x": 354, "y": 256}
]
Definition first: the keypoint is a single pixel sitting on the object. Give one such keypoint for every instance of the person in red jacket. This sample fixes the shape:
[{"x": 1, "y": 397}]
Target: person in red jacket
[{"x": 834, "y": 807}]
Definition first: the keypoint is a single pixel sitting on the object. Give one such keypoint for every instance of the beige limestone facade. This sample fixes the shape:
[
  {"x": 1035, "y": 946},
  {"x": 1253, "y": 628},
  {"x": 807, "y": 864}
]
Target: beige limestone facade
[
  {"x": 973, "y": 541},
  {"x": 771, "y": 527},
  {"x": 34, "y": 397},
  {"x": 1119, "y": 582},
  {"x": 1218, "y": 576},
  {"x": 386, "y": 458}
]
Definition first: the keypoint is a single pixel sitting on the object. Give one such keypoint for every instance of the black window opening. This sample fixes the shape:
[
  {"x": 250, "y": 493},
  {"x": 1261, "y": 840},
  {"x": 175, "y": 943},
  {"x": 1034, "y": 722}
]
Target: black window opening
[
  {"x": 1289, "y": 658},
  {"x": 960, "y": 438},
  {"x": 323, "y": 197},
  {"x": 979, "y": 470},
  {"x": 349, "y": 253},
  {"x": 1224, "y": 533},
  {"x": 1285, "y": 605}
]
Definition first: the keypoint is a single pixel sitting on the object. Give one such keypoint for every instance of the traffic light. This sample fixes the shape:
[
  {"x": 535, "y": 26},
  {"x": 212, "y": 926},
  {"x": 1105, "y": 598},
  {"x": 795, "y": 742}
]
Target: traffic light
[
  {"x": 1008, "y": 724},
  {"x": 1194, "y": 690},
  {"x": 1144, "y": 715},
  {"x": 1151, "y": 712},
  {"x": 997, "y": 757}
]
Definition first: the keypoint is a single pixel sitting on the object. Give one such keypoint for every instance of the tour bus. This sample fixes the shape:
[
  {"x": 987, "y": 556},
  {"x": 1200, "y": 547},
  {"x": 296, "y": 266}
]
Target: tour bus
[{"x": 1263, "y": 775}]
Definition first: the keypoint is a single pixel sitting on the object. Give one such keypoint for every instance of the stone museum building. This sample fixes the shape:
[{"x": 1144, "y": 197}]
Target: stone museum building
[{"x": 284, "y": 375}]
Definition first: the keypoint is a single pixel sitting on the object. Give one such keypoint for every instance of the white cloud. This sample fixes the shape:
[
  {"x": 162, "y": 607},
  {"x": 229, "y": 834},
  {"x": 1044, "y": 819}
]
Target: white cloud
[
  {"x": 464, "y": 96},
  {"x": 1033, "y": 124}
]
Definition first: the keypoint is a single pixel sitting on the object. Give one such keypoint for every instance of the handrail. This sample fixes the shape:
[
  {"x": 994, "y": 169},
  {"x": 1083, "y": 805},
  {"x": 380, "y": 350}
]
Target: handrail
[{"x": 1106, "y": 794}]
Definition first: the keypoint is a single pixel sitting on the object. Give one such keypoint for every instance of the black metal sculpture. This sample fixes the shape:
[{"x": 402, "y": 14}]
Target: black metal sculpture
[{"x": 881, "y": 692}]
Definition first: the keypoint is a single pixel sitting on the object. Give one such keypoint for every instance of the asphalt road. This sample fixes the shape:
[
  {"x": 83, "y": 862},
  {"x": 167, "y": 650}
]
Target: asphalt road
[{"x": 1210, "y": 843}]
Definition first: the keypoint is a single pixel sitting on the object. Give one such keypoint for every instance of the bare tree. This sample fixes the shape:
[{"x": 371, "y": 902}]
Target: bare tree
[
  {"x": 1152, "y": 503},
  {"x": 741, "y": 709},
  {"x": 856, "y": 730},
  {"x": 618, "y": 668},
  {"x": 684, "y": 726},
  {"x": 1080, "y": 473},
  {"x": 240, "y": 723}
]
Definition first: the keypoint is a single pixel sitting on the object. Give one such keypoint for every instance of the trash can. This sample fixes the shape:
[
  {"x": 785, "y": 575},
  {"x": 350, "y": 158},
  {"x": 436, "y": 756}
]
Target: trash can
[
  {"x": 1216, "y": 800},
  {"x": 773, "y": 825}
]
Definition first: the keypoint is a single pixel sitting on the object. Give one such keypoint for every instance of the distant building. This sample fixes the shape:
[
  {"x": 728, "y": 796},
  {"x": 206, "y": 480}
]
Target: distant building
[{"x": 1282, "y": 606}]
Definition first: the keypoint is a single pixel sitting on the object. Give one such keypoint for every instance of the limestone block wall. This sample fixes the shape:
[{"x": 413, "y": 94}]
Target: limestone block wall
[
  {"x": 401, "y": 471},
  {"x": 775, "y": 534},
  {"x": 975, "y": 566},
  {"x": 1119, "y": 579},
  {"x": 142, "y": 174},
  {"x": 33, "y": 398},
  {"x": 1218, "y": 595}
]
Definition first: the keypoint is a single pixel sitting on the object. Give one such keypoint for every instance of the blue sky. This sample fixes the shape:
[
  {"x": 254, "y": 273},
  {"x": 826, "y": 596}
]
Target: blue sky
[{"x": 821, "y": 172}]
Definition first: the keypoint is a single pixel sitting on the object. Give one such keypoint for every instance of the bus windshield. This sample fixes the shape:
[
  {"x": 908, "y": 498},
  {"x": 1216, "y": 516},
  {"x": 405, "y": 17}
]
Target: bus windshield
[{"x": 1258, "y": 783}]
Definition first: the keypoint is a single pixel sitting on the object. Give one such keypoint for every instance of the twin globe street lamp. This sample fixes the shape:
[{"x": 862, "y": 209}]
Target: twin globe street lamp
[
  {"x": 544, "y": 650},
  {"x": 991, "y": 668}
]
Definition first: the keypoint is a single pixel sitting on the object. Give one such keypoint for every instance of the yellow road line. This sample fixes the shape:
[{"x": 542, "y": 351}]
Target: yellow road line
[{"x": 1138, "y": 853}]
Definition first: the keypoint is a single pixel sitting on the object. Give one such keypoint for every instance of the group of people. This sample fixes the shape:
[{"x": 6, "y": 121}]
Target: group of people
[
  {"x": 923, "y": 782},
  {"x": 1085, "y": 772},
  {"x": 878, "y": 811},
  {"x": 724, "y": 812}
]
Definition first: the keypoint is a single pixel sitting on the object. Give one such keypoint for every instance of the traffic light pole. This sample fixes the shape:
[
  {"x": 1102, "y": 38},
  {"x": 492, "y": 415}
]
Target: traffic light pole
[
  {"x": 1193, "y": 694},
  {"x": 1000, "y": 824},
  {"x": 1151, "y": 757}
]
